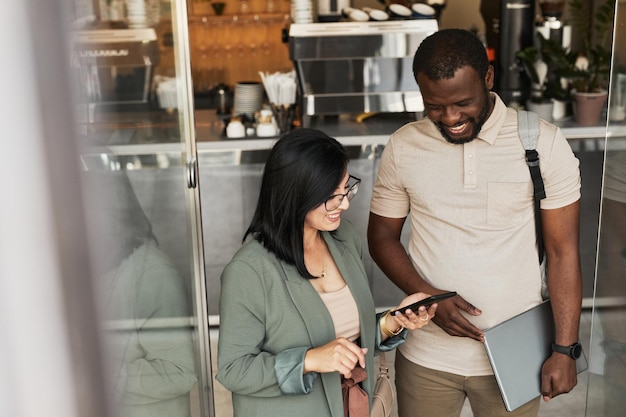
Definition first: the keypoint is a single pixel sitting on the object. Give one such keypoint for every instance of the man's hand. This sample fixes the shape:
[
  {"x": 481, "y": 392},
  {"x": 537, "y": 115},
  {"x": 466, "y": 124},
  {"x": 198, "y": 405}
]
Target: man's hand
[
  {"x": 558, "y": 375},
  {"x": 452, "y": 321}
]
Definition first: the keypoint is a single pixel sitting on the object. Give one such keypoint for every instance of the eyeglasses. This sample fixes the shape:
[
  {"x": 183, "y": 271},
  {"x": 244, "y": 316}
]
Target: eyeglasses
[{"x": 334, "y": 201}]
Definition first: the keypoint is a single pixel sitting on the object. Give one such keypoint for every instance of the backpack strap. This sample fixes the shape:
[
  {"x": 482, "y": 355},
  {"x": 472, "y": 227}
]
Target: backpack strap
[{"x": 528, "y": 128}]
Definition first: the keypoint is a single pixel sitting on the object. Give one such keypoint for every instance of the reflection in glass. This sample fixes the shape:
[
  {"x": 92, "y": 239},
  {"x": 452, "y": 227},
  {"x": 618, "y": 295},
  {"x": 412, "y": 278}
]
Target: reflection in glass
[
  {"x": 607, "y": 384},
  {"x": 141, "y": 215},
  {"x": 610, "y": 383},
  {"x": 144, "y": 302}
]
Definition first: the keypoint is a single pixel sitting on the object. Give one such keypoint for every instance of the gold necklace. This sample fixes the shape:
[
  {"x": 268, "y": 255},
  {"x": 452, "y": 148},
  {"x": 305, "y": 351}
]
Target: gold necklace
[{"x": 323, "y": 273}]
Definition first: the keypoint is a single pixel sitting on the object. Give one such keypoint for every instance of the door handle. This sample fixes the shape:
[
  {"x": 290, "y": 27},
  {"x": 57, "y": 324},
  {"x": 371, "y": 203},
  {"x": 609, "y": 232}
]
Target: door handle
[{"x": 192, "y": 173}]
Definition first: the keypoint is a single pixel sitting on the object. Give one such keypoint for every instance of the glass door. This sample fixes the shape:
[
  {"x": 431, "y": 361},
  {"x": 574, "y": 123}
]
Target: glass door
[
  {"x": 134, "y": 107},
  {"x": 607, "y": 365}
]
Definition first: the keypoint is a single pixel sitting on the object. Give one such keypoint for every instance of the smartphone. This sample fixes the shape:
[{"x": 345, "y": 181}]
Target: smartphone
[{"x": 426, "y": 301}]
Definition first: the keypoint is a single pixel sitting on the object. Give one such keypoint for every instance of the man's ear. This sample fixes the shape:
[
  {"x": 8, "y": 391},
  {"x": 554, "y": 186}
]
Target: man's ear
[{"x": 489, "y": 77}]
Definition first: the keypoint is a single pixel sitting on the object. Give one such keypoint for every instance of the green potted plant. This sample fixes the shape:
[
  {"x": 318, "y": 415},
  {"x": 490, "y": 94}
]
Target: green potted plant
[
  {"x": 538, "y": 62},
  {"x": 587, "y": 70},
  {"x": 591, "y": 68},
  {"x": 580, "y": 76}
]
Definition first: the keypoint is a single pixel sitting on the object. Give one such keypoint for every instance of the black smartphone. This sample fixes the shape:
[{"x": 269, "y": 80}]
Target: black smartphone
[{"x": 426, "y": 301}]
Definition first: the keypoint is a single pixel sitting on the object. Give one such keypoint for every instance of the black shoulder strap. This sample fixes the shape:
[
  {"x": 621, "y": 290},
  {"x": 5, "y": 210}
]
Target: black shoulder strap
[{"x": 528, "y": 127}]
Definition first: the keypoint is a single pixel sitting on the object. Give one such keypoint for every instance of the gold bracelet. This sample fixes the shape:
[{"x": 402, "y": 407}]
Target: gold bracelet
[{"x": 385, "y": 329}]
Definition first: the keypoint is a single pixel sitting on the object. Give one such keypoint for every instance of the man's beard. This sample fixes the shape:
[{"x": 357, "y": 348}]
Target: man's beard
[{"x": 477, "y": 124}]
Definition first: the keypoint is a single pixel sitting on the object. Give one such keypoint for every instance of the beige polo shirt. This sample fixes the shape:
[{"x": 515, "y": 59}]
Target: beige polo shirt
[{"x": 472, "y": 224}]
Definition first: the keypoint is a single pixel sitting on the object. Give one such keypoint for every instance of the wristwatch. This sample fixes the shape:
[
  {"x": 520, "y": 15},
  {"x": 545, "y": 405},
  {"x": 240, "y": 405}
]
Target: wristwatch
[{"x": 573, "y": 351}]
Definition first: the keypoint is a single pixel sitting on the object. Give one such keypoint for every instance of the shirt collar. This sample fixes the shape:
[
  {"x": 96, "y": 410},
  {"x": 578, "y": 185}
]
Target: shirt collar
[{"x": 495, "y": 121}]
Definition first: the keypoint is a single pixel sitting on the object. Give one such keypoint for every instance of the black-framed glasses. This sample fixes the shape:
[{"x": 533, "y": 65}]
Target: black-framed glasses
[{"x": 334, "y": 201}]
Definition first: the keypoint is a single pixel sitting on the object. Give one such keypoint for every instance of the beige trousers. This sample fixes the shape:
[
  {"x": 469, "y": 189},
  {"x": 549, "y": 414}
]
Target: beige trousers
[{"x": 424, "y": 392}]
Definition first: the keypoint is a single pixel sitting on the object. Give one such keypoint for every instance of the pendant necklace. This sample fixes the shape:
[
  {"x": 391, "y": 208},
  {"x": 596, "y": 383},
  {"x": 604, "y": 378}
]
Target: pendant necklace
[{"x": 323, "y": 273}]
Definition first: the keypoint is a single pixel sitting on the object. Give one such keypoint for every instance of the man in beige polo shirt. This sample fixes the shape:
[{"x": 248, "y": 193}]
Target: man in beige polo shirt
[{"x": 461, "y": 177}]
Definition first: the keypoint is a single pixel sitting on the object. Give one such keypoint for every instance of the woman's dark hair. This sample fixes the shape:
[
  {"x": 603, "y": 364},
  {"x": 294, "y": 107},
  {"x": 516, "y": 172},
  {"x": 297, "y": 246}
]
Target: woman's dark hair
[
  {"x": 303, "y": 169},
  {"x": 441, "y": 54}
]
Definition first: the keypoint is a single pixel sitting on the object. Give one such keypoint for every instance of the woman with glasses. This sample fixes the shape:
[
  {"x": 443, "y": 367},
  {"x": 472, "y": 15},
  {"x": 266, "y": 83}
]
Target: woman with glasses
[{"x": 296, "y": 312}]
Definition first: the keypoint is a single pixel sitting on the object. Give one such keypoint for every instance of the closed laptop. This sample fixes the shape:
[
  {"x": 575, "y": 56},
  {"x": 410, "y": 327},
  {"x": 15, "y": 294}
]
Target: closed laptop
[{"x": 517, "y": 349}]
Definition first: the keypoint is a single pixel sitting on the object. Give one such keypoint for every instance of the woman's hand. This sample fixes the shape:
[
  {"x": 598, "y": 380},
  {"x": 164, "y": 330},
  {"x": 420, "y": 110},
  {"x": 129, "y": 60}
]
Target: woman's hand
[
  {"x": 407, "y": 318},
  {"x": 339, "y": 355}
]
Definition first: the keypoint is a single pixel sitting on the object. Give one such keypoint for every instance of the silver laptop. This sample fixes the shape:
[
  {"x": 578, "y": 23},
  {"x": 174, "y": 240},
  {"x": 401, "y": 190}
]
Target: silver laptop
[{"x": 517, "y": 349}]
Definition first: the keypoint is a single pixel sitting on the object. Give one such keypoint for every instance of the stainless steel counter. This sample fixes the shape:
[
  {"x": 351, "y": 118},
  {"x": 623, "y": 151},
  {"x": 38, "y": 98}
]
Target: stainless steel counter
[
  {"x": 140, "y": 134},
  {"x": 372, "y": 130}
]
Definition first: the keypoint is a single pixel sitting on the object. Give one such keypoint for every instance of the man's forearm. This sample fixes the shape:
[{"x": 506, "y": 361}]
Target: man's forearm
[
  {"x": 393, "y": 260},
  {"x": 565, "y": 286}
]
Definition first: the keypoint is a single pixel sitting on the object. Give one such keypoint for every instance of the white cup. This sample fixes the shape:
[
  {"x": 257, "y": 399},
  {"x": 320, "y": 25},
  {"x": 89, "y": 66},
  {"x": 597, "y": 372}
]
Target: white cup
[
  {"x": 376, "y": 15},
  {"x": 267, "y": 129},
  {"x": 345, "y": 12},
  {"x": 357, "y": 15},
  {"x": 235, "y": 129},
  {"x": 422, "y": 11},
  {"x": 399, "y": 11}
]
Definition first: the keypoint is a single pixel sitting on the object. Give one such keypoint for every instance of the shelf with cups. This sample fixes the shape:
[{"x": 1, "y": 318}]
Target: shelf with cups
[
  {"x": 216, "y": 8},
  {"x": 238, "y": 17},
  {"x": 228, "y": 49}
]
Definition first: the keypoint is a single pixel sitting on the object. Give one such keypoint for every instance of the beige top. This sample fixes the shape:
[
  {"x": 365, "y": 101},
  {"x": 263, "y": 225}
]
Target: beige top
[
  {"x": 472, "y": 222},
  {"x": 344, "y": 312}
]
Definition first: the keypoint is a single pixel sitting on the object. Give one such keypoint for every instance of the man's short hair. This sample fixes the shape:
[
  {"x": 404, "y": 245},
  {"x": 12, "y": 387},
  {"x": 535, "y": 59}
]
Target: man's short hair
[{"x": 441, "y": 54}]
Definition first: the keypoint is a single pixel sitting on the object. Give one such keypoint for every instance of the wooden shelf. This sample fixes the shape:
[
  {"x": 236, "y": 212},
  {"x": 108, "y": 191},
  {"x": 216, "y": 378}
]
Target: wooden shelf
[
  {"x": 234, "y": 47},
  {"x": 204, "y": 8},
  {"x": 247, "y": 18}
]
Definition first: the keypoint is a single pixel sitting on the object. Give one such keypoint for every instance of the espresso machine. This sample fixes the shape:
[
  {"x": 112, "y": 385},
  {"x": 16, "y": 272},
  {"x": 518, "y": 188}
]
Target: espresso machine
[
  {"x": 357, "y": 67},
  {"x": 509, "y": 27},
  {"x": 115, "y": 67}
]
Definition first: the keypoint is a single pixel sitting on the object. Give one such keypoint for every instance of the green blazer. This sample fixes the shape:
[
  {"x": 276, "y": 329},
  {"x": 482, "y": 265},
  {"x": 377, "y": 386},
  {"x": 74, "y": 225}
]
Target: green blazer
[{"x": 270, "y": 316}]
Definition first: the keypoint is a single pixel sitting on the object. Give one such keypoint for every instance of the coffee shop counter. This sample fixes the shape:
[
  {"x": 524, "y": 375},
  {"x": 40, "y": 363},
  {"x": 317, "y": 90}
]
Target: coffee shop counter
[
  {"x": 150, "y": 132},
  {"x": 351, "y": 130}
]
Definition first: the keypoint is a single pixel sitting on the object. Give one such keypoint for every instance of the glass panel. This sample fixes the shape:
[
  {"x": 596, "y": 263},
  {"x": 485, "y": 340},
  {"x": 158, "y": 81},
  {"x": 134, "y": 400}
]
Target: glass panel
[
  {"x": 607, "y": 371},
  {"x": 134, "y": 112}
]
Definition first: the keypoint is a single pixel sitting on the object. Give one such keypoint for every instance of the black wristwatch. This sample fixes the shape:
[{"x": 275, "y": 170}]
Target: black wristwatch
[{"x": 573, "y": 351}]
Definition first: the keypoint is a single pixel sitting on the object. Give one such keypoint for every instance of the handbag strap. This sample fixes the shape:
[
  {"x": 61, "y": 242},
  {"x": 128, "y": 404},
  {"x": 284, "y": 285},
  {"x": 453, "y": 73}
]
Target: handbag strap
[
  {"x": 528, "y": 127},
  {"x": 383, "y": 369}
]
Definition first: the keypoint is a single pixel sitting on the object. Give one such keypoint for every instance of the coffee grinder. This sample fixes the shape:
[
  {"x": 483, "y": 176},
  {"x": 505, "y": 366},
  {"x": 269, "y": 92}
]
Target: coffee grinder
[{"x": 509, "y": 27}]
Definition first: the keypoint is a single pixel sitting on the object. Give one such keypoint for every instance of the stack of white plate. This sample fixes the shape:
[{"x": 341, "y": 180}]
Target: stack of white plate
[
  {"x": 248, "y": 98},
  {"x": 136, "y": 14},
  {"x": 153, "y": 12}
]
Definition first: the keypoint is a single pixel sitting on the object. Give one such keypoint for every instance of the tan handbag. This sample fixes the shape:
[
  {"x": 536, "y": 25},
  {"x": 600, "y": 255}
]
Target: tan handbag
[{"x": 382, "y": 401}]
